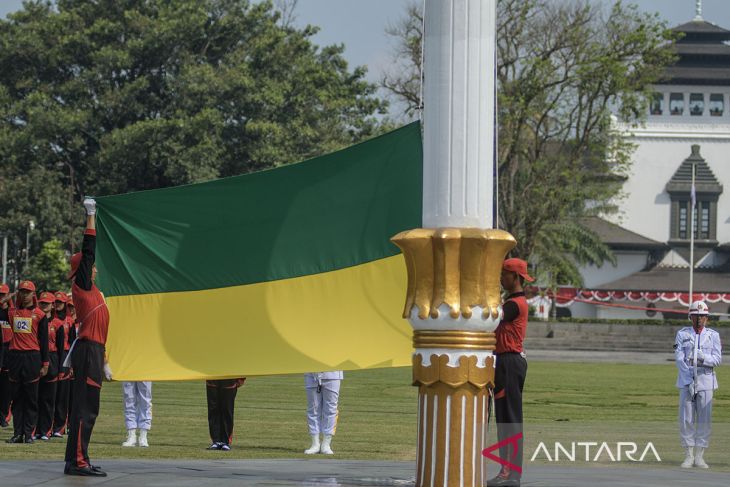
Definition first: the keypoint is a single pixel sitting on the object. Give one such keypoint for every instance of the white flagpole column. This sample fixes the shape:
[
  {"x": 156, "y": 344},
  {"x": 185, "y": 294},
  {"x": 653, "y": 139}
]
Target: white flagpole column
[
  {"x": 454, "y": 263},
  {"x": 458, "y": 113}
]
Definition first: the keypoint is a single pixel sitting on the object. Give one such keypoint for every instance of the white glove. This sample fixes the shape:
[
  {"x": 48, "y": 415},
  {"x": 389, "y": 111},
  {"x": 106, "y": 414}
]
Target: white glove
[
  {"x": 700, "y": 356},
  {"x": 107, "y": 371},
  {"x": 90, "y": 205},
  {"x": 692, "y": 390}
]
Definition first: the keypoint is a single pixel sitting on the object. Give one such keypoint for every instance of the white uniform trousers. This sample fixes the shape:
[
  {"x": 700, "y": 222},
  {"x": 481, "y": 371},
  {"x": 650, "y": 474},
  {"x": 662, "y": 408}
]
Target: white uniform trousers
[
  {"x": 695, "y": 418},
  {"x": 137, "y": 405},
  {"x": 322, "y": 407}
]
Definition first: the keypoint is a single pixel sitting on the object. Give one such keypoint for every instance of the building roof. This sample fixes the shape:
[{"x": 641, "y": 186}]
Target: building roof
[
  {"x": 618, "y": 237},
  {"x": 702, "y": 30},
  {"x": 703, "y": 57},
  {"x": 667, "y": 279},
  {"x": 705, "y": 180}
]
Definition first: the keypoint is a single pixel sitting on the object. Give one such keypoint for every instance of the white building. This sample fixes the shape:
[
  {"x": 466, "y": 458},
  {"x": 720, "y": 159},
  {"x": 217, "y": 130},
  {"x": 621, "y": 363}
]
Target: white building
[{"x": 688, "y": 125}]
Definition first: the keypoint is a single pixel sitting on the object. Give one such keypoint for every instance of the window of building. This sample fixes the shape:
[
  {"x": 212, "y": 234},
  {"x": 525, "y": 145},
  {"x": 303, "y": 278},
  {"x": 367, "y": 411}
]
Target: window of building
[
  {"x": 717, "y": 104},
  {"x": 676, "y": 103},
  {"x": 701, "y": 223},
  {"x": 696, "y": 104},
  {"x": 657, "y": 104}
]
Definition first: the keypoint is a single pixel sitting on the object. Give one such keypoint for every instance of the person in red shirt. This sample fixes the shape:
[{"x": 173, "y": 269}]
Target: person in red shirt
[
  {"x": 510, "y": 372},
  {"x": 87, "y": 352},
  {"x": 49, "y": 383},
  {"x": 7, "y": 334},
  {"x": 28, "y": 360},
  {"x": 64, "y": 313},
  {"x": 221, "y": 395}
]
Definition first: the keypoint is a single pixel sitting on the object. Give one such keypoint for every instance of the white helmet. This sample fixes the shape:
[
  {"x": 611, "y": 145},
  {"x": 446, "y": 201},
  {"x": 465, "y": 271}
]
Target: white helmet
[{"x": 699, "y": 308}]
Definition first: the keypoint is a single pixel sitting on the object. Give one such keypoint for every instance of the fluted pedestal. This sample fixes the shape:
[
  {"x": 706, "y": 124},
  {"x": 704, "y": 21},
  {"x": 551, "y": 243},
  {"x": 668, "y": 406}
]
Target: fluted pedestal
[{"x": 453, "y": 303}]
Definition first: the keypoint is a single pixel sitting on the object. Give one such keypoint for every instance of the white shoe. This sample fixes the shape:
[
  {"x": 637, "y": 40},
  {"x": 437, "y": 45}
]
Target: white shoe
[
  {"x": 689, "y": 458},
  {"x": 315, "y": 446},
  {"x": 326, "y": 449},
  {"x": 131, "y": 438},
  {"x": 699, "y": 461},
  {"x": 143, "y": 439}
]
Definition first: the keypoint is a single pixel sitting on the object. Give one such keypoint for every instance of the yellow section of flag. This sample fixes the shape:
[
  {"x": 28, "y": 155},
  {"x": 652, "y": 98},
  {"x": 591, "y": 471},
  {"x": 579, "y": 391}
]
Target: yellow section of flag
[{"x": 346, "y": 319}]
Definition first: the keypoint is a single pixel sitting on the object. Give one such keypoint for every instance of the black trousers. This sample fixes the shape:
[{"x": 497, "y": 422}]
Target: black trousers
[
  {"x": 221, "y": 403},
  {"x": 25, "y": 371},
  {"x": 60, "y": 415},
  {"x": 509, "y": 380},
  {"x": 5, "y": 389},
  {"x": 88, "y": 364},
  {"x": 47, "y": 397}
]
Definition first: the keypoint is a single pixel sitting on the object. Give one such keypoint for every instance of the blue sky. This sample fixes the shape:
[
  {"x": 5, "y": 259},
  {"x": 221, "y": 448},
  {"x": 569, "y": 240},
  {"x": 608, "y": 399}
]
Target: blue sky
[{"x": 360, "y": 24}]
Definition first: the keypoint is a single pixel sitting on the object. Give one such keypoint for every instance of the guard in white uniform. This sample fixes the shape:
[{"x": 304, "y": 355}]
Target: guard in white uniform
[
  {"x": 697, "y": 351},
  {"x": 323, "y": 392},
  {"x": 137, "y": 411}
]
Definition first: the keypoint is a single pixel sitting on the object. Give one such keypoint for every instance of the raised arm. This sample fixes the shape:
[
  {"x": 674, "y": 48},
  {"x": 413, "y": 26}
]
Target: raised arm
[{"x": 88, "y": 248}]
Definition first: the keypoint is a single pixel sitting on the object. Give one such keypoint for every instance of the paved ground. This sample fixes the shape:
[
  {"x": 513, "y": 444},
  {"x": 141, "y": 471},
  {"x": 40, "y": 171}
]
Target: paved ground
[{"x": 329, "y": 473}]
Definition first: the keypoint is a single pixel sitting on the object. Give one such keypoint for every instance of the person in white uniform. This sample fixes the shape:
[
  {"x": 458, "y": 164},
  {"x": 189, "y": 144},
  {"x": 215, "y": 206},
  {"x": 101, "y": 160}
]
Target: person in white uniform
[
  {"x": 697, "y": 351},
  {"x": 137, "y": 411},
  {"x": 323, "y": 392}
]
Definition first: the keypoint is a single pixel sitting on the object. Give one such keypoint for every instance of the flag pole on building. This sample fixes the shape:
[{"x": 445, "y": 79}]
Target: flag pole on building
[{"x": 693, "y": 205}]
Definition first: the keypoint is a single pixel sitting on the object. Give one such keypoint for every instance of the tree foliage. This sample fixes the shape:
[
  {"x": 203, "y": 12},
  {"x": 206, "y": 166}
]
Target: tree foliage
[
  {"x": 49, "y": 267},
  {"x": 111, "y": 96},
  {"x": 565, "y": 72}
]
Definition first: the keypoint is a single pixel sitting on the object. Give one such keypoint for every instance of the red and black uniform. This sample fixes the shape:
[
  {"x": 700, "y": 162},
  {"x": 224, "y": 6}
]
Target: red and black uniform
[
  {"x": 60, "y": 416},
  {"x": 49, "y": 383},
  {"x": 28, "y": 353},
  {"x": 87, "y": 357},
  {"x": 509, "y": 377},
  {"x": 221, "y": 403},
  {"x": 5, "y": 390}
]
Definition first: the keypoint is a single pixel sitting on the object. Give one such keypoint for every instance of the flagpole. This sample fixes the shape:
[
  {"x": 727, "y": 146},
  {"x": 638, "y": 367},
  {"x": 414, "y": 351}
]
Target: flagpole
[
  {"x": 454, "y": 262},
  {"x": 693, "y": 204}
]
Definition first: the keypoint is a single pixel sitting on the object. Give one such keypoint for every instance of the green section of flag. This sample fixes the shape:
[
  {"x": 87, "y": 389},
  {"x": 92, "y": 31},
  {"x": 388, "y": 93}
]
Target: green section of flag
[{"x": 319, "y": 215}]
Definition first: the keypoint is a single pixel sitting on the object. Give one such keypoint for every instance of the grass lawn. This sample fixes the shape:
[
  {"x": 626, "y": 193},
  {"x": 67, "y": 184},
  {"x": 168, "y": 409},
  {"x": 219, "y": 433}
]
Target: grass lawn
[{"x": 563, "y": 402}]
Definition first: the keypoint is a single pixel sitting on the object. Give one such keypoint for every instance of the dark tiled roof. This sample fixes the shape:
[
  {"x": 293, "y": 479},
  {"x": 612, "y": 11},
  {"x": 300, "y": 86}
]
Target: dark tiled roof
[
  {"x": 702, "y": 75},
  {"x": 705, "y": 179},
  {"x": 702, "y": 49},
  {"x": 618, "y": 237},
  {"x": 703, "y": 57},
  {"x": 702, "y": 28},
  {"x": 672, "y": 279}
]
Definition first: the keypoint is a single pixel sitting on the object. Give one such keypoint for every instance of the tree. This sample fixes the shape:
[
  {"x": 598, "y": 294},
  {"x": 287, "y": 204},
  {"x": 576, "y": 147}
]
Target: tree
[
  {"x": 49, "y": 267},
  {"x": 564, "y": 70},
  {"x": 111, "y": 96},
  {"x": 404, "y": 79}
]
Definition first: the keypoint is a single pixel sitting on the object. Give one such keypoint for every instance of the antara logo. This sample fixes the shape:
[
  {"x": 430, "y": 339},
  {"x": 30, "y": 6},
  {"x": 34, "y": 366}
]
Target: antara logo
[
  {"x": 627, "y": 449},
  {"x": 512, "y": 440},
  {"x": 623, "y": 450}
]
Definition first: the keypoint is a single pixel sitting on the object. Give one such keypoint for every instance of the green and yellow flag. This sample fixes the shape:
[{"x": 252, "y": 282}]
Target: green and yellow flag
[{"x": 281, "y": 271}]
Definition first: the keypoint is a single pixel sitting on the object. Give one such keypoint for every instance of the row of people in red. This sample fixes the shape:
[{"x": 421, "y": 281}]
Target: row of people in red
[
  {"x": 36, "y": 332},
  {"x": 30, "y": 361}
]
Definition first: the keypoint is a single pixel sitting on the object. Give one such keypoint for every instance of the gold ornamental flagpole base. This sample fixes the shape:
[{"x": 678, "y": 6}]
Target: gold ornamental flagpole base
[
  {"x": 453, "y": 303},
  {"x": 452, "y": 420}
]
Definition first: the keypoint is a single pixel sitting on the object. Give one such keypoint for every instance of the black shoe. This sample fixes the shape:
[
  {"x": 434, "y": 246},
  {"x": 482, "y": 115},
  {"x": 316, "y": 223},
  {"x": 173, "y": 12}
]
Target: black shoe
[
  {"x": 215, "y": 446},
  {"x": 503, "y": 481},
  {"x": 84, "y": 471},
  {"x": 30, "y": 440},
  {"x": 3, "y": 423},
  {"x": 16, "y": 439}
]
